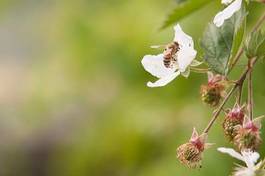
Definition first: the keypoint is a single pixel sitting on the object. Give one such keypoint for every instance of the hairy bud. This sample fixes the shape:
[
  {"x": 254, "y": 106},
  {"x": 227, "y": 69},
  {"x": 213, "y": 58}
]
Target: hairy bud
[
  {"x": 213, "y": 92},
  {"x": 248, "y": 135},
  {"x": 234, "y": 118},
  {"x": 190, "y": 153}
]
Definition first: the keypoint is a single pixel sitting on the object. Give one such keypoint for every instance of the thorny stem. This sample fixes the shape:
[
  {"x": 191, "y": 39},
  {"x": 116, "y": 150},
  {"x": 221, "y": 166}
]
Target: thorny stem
[
  {"x": 239, "y": 83},
  {"x": 241, "y": 50}
]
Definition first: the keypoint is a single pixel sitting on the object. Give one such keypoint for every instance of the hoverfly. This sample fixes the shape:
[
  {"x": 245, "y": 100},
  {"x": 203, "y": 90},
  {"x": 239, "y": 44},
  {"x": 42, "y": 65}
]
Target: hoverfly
[{"x": 170, "y": 51}]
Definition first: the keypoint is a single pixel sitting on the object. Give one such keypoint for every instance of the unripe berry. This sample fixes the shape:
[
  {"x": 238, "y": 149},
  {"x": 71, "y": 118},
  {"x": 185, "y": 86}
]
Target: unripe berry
[
  {"x": 248, "y": 135},
  {"x": 213, "y": 92},
  {"x": 234, "y": 118},
  {"x": 190, "y": 153}
]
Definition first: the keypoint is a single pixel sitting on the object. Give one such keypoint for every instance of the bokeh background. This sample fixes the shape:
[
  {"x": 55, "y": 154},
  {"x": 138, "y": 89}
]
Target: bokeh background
[{"x": 73, "y": 95}]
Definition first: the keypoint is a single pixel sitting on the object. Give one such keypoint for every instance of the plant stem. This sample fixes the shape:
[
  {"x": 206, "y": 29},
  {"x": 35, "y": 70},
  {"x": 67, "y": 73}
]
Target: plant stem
[
  {"x": 259, "y": 23},
  {"x": 250, "y": 90},
  {"x": 200, "y": 70},
  {"x": 240, "y": 90},
  {"x": 241, "y": 50},
  {"x": 239, "y": 83}
]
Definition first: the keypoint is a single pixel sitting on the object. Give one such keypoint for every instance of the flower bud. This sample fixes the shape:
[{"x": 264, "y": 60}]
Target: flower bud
[
  {"x": 234, "y": 118},
  {"x": 248, "y": 135},
  {"x": 190, "y": 153},
  {"x": 213, "y": 92}
]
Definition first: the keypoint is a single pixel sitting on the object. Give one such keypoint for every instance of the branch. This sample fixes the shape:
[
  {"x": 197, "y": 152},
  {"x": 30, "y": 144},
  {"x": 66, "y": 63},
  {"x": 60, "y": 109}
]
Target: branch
[
  {"x": 239, "y": 83},
  {"x": 241, "y": 50}
]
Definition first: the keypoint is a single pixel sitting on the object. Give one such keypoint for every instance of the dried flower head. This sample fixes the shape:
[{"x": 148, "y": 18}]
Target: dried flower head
[
  {"x": 190, "y": 154},
  {"x": 248, "y": 134},
  {"x": 213, "y": 92},
  {"x": 233, "y": 118}
]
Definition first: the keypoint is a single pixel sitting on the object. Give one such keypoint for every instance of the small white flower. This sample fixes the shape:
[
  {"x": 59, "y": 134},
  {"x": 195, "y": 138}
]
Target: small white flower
[
  {"x": 248, "y": 157},
  {"x": 185, "y": 56},
  {"x": 227, "y": 12}
]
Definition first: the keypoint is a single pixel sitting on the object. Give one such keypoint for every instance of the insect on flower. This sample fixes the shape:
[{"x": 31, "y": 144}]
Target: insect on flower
[
  {"x": 176, "y": 59},
  {"x": 170, "y": 54}
]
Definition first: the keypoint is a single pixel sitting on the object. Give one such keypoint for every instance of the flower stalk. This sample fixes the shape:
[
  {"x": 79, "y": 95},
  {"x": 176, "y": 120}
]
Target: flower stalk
[{"x": 250, "y": 90}]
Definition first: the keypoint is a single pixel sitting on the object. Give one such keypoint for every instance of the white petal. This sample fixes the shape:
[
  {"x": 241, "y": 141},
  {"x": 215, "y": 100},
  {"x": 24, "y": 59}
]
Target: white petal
[
  {"x": 226, "y": 2},
  {"x": 163, "y": 81},
  {"x": 227, "y": 13},
  {"x": 244, "y": 171},
  {"x": 231, "y": 152},
  {"x": 185, "y": 57},
  {"x": 250, "y": 158},
  {"x": 182, "y": 38},
  {"x": 186, "y": 54},
  {"x": 154, "y": 65}
]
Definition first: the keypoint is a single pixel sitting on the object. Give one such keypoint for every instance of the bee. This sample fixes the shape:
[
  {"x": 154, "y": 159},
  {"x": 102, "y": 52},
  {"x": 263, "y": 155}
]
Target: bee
[{"x": 169, "y": 53}]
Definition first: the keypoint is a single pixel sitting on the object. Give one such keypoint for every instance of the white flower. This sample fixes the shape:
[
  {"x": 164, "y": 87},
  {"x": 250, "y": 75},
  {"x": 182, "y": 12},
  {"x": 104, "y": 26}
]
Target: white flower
[
  {"x": 227, "y": 12},
  {"x": 248, "y": 157},
  {"x": 185, "y": 56}
]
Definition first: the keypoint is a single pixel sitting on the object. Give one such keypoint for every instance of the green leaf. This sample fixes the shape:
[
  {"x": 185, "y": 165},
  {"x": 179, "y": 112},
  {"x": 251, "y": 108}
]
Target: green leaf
[
  {"x": 255, "y": 44},
  {"x": 220, "y": 43},
  {"x": 184, "y": 9}
]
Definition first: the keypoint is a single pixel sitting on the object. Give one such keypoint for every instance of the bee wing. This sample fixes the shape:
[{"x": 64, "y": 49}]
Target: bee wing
[
  {"x": 154, "y": 65},
  {"x": 157, "y": 46}
]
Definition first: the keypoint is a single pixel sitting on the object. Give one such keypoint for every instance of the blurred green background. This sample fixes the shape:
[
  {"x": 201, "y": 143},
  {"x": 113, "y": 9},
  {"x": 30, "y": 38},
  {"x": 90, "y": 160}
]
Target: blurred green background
[{"x": 73, "y": 95}]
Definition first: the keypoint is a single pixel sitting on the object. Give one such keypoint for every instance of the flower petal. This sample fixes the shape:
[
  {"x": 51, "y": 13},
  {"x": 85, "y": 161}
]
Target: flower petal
[
  {"x": 194, "y": 135},
  {"x": 185, "y": 57},
  {"x": 244, "y": 171},
  {"x": 182, "y": 38},
  {"x": 227, "y": 13},
  {"x": 250, "y": 158},
  {"x": 164, "y": 80},
  {"x": 154, "y": 65},
  {"x": 231, "y": 152}
]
